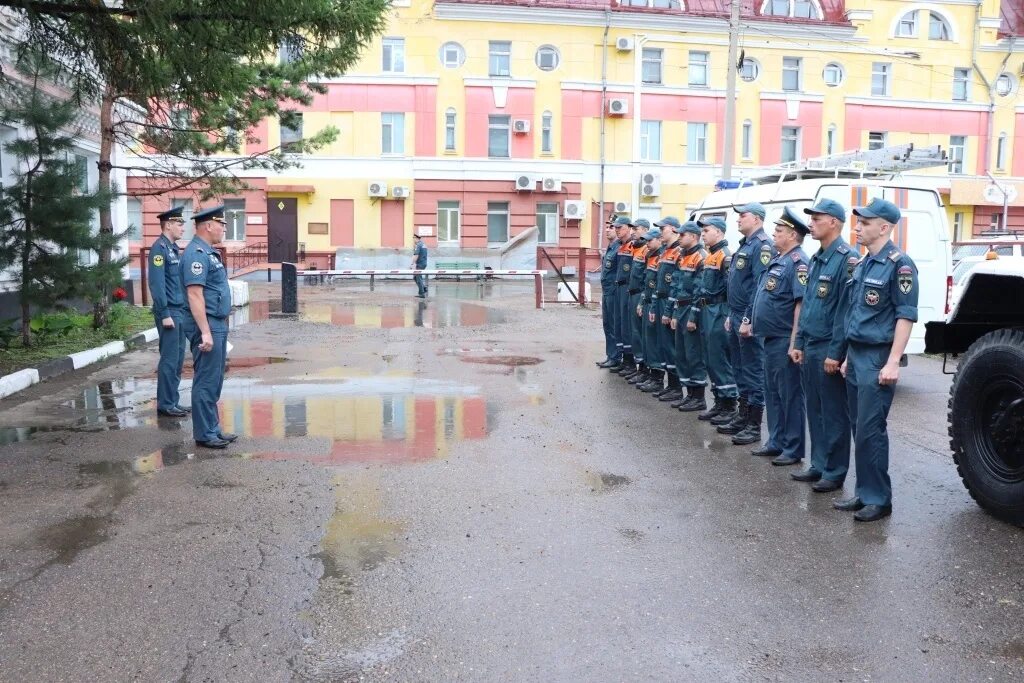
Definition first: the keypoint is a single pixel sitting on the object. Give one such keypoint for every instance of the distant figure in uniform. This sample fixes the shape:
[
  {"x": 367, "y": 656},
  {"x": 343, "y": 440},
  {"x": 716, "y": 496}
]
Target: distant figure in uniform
[
  {"x": 612, "y": 345},
  {"x": 635, "y": 290},
  {"x": 168, "y": 311},
  {"x": 882, "y": 312},
  {"x": 206, "y": 324},
  {"x": 821, "y": 347},
  {"x": 668, "y": 273},
  {"x": 419, "y": 262},
  {"x": 777, "y": 303},
  {"x": 689, "y": 348},
  {"x": 650, "y": 316},
  {"x": 625, "y": 233}
]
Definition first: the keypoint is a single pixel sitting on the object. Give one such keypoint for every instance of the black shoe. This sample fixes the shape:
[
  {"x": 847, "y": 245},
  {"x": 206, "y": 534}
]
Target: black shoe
[
  {"x": 712, "y": 412},
  {"x": 826, "y": 486},
  {"x": 661, "y": 392},
  {"x": 873, "y": 513},
  {"x": 736, "y": 425},
  {"x": 650, "y": 387},
  {"x": 681, "y": 402},
  {"x": 606, "y": 363},
  {"x": 748, "y": 435},
  {"x": 229, "y": 437},
  {"x": 187, "y": 409},
  {"x": 807, "y": 475},
  {"x": 215, "y": 443},
  {"x": 640, "y": 377},
  {"x": 783, "y": 461},
  {"x": 848, "y": 504},
  {"x": 697, "y": 404},
  {"x": 172, "y": 412},
  {"x": 671, "y": 395},
  {"x": 615, "y": 368},
  {"x": 765, "y": 452}
]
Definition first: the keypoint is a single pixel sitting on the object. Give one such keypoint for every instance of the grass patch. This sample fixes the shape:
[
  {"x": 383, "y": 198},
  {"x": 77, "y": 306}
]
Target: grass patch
[{"x": 125, "y": 321}]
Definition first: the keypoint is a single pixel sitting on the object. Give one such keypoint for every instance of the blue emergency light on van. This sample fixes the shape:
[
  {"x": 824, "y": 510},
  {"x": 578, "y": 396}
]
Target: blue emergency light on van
[{"x": 732, "y": 184}]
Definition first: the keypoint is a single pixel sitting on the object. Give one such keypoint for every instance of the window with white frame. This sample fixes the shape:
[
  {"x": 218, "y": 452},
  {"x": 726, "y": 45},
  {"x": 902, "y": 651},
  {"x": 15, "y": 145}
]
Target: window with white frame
[
  {"x": 452, "y": 55},
  {"x": 877, "y": 139},
  {"x": 881, "y": 78},
  {"x": 394, "y": 55},
  {"x": 801, "y": 9},
  {"x": 791, "y": 73},
  {"x": 790, "y": 143},
  {"x": 291, "y": 132},
  {"x": 547, "y": 222},
  {"x": 938, "y": 27},
  {"x": 958, "y": 226},
  {"x": 697, "y": 143},
  {"x": 448, "y": 221},
  {"x": 830, "y": 139},
  {"x": 698, "y": 69},
  {"x": 545, "y": 132},
  {"x": 499, "y": 60},
  {"x": 650, "y": 140},
  {"x": 392, "y": 133},
  {"x": 957, "y": 145},
  {"x": 497, "y": 223},
  {"x": 547, "y": 58},
  {"x": 907, "y": 25},
  {"x": 750, "y": 69},
  {"x": 134, "y": 219},
  {"x": 833, "y": 74},
  {"x": 1001, "y": 152},
  {"x": 748, "y": 139},
  {"x": 995, "y": 221},
  {"x": 961, "y": 84},
  {"x": 498, "y": 136},
  {"x": 650, "y": 68},
  {"x": 234, "y": 219},
  {"x": 449, "y": 129}
]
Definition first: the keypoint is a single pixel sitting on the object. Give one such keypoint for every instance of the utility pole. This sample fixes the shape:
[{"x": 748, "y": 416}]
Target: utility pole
[{"x": 729, "y": 129}]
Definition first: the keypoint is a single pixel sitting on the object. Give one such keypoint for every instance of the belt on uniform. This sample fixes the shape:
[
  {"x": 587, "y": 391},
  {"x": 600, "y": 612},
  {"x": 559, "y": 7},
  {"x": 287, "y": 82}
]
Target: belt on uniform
[{"x": 709, "y": 300}]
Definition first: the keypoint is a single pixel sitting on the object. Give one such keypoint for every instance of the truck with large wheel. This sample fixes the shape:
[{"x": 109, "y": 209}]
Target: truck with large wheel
[{"x": 985, "y": 330}]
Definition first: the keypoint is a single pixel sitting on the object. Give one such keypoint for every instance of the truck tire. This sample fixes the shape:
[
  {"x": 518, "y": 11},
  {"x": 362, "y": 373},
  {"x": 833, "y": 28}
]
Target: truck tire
[{"x": 986, "y": 423}]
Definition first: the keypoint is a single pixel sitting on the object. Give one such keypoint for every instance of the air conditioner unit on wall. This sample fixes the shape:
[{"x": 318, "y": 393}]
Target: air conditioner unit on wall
[
  {"x": 521, "y": 126},
  {"x": 400, "y": 192},
  {"x": 551, "y": 184},
  {"x": 621, "y": 207},
  {"x": 650, "y": 185},
  {"x": 378, "y": 188},
  {"x": 525, "y": 183},
  {"x": 618, "y": 106},
  {"x": 624, "y": 44},
  {"x": 575, "y": 210}
]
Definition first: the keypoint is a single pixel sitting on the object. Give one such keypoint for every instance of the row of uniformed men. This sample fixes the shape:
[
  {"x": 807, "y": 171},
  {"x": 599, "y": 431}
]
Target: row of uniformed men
[
  {"x": 676, "y": 315},
  {"x": 191, "y": 300}
]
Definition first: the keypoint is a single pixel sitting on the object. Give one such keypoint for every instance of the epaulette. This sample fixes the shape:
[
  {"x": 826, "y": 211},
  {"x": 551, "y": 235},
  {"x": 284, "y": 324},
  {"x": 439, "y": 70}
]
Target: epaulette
[
  {"x": 895, "y": 256},
  {"x": 795, "y": 255},
  {"x": 843, "y": 249}
]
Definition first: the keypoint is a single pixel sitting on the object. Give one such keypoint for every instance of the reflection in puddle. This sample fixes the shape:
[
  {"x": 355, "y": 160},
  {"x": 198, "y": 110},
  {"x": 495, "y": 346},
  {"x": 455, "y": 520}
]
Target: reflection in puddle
[
  {"x": 510, "y": 361},
  {"x": 432, "y": 314},
  {"x": 357, "y": 539}
]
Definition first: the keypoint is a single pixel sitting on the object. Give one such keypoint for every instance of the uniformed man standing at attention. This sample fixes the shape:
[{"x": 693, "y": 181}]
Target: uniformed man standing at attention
[
  {"x": 623, "y": 318},
  {"x": 780, "y": 293},
  {"x": 612, "y": 345},
  {"x": 650, "y": 315},
  {"x": 637, "y": 273},
  {"x": 688, "y": 346},
  {"x": 206, "y": 324},
  {"x": 168, "y": 311},
  {"x": 419, "y": 262},
  {"x": 882, "y": 312},
  {"x": 668, "y": 271},
  {"x": 821, "y": 347},
  {"x": 749, "y": 261},
  {"x": 708, "y": 314}
]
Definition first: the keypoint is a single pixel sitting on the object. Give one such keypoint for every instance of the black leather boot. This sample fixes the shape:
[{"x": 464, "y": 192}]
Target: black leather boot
[
  {"x": 695, "y": 402},
  {"x": 674, "y": 390},
  {"x": 737, "y": 416},
  {"x": 714, "y": 411},
  {"x": 751, "y": 433},
  {"x": 656, "y": 382}
]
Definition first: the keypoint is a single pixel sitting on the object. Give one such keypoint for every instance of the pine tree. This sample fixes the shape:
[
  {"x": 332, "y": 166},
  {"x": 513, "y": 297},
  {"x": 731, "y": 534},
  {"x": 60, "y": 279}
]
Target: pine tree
[{"x": 46, "y": 219}]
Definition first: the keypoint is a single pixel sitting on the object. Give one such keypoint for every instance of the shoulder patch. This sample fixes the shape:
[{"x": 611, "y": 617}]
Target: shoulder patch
[
  {"x": 843, "y": 249},
  {"x": 197, "y": 268},
  {"x": 158, "y": 260},
  {"x": 895, "y": 256}
]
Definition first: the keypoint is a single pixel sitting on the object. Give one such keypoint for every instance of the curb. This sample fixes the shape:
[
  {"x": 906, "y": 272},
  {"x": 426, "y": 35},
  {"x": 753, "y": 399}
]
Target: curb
[{"x": 23, "y": 379}]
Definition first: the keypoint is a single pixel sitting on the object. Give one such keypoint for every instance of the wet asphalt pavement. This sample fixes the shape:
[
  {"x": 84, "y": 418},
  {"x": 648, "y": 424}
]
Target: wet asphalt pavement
[{"x": 450, "y": 490}]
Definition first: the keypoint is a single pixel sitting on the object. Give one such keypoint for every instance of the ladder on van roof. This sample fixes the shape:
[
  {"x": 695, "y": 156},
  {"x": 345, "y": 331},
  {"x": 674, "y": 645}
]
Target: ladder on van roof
[{"x": 859, "y": 164}]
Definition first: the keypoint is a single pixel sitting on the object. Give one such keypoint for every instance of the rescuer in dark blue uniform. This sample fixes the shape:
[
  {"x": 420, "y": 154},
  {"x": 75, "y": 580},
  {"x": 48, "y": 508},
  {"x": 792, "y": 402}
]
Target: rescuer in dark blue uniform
[
  {"x": 668, "y": 270},
  {"x": 168, "y": 296},
  {"x": 612, "y": 344},
  {"x": 688, "y": 344}
]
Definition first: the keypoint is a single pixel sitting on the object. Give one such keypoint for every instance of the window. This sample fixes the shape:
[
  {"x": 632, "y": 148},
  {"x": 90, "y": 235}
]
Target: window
[
  {"x": 907, "y": 27},
  {"x": 748, "y": 134},
  {"x": 961, "y": 79},
  {"x": 651, "y": 65},
  {"x": 957, "y": 143},
  {"x": 958, "y": 226},
  {"x": 697, "y": 143},
  {"x": 500, "y": 58},
  {"x": 449, "y": 130},
  {"x": 547, "y": 222},
  {"x": 190, "y": 228},
  {"x": 650, "y": 140},
  {"x": 791, "y": 68},
  {"x": 790, "y": 143},
  {"x": 394, "y": 55},
  {"x": 1004, "y": 84},
  {"x": 290, "y": 50},
  {"x": 448, "y": 219},
  {"x": 392, "y": 133},
  {"x": 881, "y": 75},
  {"x": 547, "y": 58},
  {"x": 698, "y": 71},
  {"x": 938, "y": 29},
  {"x": 994, "y": 221},
  {"x": 750, "y": 69},
  {"x": 291, "y": 132},
  {"x": 877, "y": 140},
  {"x": 452, "y": 55},
  {"x": 497, "y": 223},
  {"x": 234, "y": 217},
  {"x": 498, "y": 136},
  {"x": 830, "y": 139},
  {"x": 1001, "y": 152},
  {"x": 134, "y": 219},
  {"x": 802, "y": 9},
  {"x": 545, "y": 132},
  {"x": 833, "y": 74}
]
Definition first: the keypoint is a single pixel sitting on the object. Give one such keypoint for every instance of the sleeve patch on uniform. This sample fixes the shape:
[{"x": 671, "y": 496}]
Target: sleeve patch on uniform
[
  {"x": 197, "y": 268},
  {"x": 801, "y": 274},
  {"x": 906, "y": 281},
  {"x": 158, "y": 260},
  {"x": 766, "y": 254}
]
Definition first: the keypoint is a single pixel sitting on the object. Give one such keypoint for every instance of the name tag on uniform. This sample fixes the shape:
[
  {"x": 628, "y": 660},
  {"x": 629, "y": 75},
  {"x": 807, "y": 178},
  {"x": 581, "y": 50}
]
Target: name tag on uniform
[{"x": 877, "y": 283}]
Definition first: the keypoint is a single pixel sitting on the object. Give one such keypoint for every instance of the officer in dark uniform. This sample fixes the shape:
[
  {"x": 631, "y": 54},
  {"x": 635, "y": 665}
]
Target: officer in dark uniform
[
  {"x": 668, "y": 270},
  {"x": 168, "y": 311},
  {"x": 650, "y": 315},
  {"x": 708, "y": 314},
  {"x": 688, "y": 345},
  {"x": 749, "y": 262},
  {"x": 821, "y": 347},
  {"x": 637, "y": 274},
  {"x": 623, "y": 318},
  {"x": 882, "y": 310},
  {"x": 612, "y": 345},
  {"x": 777, "y": 303},
  {"x": 419, "y": 262},
  {"x": 206, "y": 324}
]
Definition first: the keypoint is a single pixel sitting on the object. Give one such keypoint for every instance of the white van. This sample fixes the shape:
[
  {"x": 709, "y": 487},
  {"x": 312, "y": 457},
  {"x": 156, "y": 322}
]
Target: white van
[{"x": 924, "y": 233}]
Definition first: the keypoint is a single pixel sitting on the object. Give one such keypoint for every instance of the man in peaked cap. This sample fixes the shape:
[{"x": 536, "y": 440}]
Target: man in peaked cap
[
  {"x": 206, "y": 324},
  {"x": 664, "y": 302},
  {"x": 168, "y": 311},
  {"x": 689, "y": 349},
  {"x": 419, "y": 262},
  {"x": 612, "y": 344}
]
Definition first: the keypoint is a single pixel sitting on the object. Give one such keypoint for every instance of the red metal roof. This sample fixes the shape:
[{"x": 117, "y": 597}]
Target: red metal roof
[{"x": 1011, "y": 15}]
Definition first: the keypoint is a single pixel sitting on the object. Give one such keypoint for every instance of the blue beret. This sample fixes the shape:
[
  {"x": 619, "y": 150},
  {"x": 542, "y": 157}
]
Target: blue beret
[
  {"x": 690, "y": 226},
  {"x": 790, "y": 219},
  {"x": 755, "y": 208},
  {"x": 176, "y": 212},
  {"x": 879, "y": 208},
  {"x": 829, "y": 207},
  {"x": 670, "y": 222},
  {"x": 208, "y": 214},
  {"x": 715, "y": 222}
]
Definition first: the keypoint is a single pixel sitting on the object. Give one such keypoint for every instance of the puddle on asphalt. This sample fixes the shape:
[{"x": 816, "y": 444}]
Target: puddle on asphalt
[
  {"x": 433, "y": 313},
  {"x": 602, "y": 482},
  {"x": 509, "y": 361}
]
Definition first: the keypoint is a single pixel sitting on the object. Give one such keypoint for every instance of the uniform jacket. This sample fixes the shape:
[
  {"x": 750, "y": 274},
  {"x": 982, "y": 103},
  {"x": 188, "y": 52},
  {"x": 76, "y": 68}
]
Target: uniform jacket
[
  {"x": 781, "y": 287},
  {"x": 884, "y": 289},
  {"x": 651, "y": 274},
  {"x": 200, "y": 265},
  {"x": 165, "y": 277},
  {"x": 636, "y": 274},
  {"x": 608, "y": 265},
  {"x": 712, "y": 286},
  {"x": 820, "y": 317},
  {"x": 691, "y": 262},
  {"x": 749, "y": 262},
  {"x": 623, "y": 262}
]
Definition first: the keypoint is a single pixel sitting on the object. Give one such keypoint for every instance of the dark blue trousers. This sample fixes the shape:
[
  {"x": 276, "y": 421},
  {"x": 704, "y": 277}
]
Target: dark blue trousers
[
  {"x": 612, "y": 345},
  {"x": 421, "y": 284},
  {"x": 623, "y": 331},
  {"x": 172, "y": 357},
  {"x": 636, "y": 329},
  {"x": 785, "y": 399},
  {"x": 652, "y": 343},
  {"x": 748, "y": 356},
  {"x": 689, "y": 354},
  {"x": 207, "y": 379},
  {"x": 869, "y": 405},
  {"x": 828, "y": 414},
  {"x": 716, "y": 350}
]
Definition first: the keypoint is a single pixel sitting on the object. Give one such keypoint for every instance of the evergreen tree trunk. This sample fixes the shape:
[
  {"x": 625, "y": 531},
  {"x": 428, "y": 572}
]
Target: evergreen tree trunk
[{"x": 102, "y": 306}]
